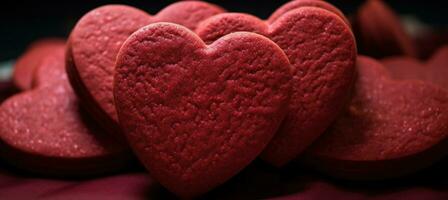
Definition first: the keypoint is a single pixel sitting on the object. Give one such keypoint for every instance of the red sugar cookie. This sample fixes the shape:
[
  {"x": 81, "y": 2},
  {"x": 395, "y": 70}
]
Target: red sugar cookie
[
  {"x": 96, "y": 39},
  {"x": 380, "y": 32},
  {"x": 392, "y": 128},
  {"x": 26, "y": 64},
  {"x": 435, "y": 70},
  {"x": 43, "y": 129},
  {"x": 194, "y": 114},
  {"x": 322, "y": 51}
]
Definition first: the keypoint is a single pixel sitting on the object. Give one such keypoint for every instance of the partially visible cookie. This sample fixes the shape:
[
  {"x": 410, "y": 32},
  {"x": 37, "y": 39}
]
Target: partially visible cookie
[
  {"x": 92, "y": 48},
  {"x": 45, "y": 131},
  {"x": 322, "y": 51},
  {"x": 306, "y": 3},
  {"x": 380, "y": 33},
  {"x": 435, "y": 70},
  {"x": 392, "y": 128},
  {"x": 187, "y": 13},
  {"x": 26, "y": 64}
]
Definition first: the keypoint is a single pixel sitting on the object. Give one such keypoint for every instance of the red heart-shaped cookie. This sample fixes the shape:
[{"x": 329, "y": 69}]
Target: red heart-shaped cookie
[
  {"x": 390, "y": 129},
  {"x": 380, "y": 32},
  {"x": 322, "y": 50},
  {"x": 96, "y": 39},
  {"x": 194, "y": 114},
  {"x": 25, "y": 66},
  {"x": 43, "y": 129},
  {"x": 435, "y": 70}
]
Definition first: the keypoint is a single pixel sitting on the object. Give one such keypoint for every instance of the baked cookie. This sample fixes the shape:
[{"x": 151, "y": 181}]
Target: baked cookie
[
  {"x": 380, "y": 33},
  {"x": 26, "y": 64},
  {"x": 322, "y": 51},
  {"x": 44, "y": 130},
  {"x": 392, "y": 128},
  {"x": 94, "y": 43},
  {"x": 196, "y": 114}
]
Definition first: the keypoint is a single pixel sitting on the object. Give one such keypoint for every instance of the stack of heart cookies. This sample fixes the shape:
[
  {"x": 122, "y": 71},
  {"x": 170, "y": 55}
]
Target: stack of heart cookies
[{"x": 196, "y": 93}]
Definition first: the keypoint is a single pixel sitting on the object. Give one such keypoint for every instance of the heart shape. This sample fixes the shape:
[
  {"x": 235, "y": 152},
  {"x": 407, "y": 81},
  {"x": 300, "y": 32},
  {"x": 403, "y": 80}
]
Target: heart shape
[
  {"x": 194, "y": 114},
  {"x": 380, "y": 32},
  {"x": 391, "y": 128},
  {"x": 94, "y": 43},
  {"x": 434, "y": 70},
  {"x": 322, "y": 51},
  {"x": 44, "y": 131},
  {"x": 26, "y": 64}
]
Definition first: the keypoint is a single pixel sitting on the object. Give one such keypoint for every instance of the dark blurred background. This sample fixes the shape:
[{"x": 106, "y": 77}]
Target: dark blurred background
[{"x": 22, "y": 22}]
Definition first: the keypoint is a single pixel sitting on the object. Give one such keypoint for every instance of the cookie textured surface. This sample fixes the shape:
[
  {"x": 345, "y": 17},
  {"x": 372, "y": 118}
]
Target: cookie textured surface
[
  {"x": 43, "y": 129},
  {"x": 194, "y": 114},
  {"x": 96, "y": 39},
  {"x": 392, "y": 128},
  {"x": 306, "y": 3},
  {"x": 380, "y": 32},
  {"x": 322, "y": 51},
  {"x": 26, "y": 64},
  {"x": 93, "y": 47}
]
